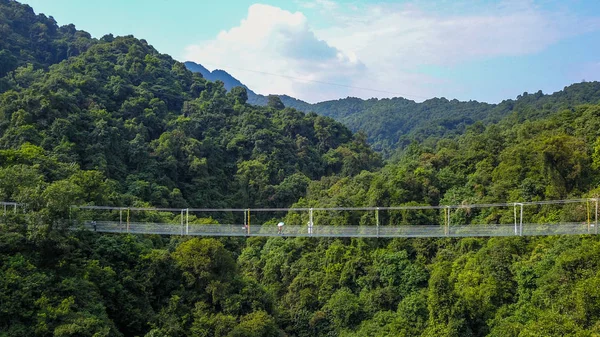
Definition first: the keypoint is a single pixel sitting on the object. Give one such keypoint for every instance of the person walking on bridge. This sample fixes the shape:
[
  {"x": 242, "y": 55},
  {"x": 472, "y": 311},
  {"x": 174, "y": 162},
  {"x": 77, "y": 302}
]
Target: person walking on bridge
[{"x": 280, "y": 228}]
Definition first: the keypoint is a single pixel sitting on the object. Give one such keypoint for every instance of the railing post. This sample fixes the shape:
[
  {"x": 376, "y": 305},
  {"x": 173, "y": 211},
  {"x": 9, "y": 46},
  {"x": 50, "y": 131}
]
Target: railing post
[
  {"x": 377, "y": 220},
  {"x": 515, "y": 212},
  {"x": 187, "y": 221},
  {"x": 181, "y": 222},
  {"x": 445, "y": 219},
  {"x": 521, "y": 221},
  {"x": 128, "y": 220},
  {"x": 248, "y": 229},
  {"x": 245, "y": 221},
  {"x": 589, "y": 221},
  {"x": 596, "y": 221},
  {"x": 121, "y": 219},
  {"x": 447, "y": 229},
  {"x": 310, "y": 221}
]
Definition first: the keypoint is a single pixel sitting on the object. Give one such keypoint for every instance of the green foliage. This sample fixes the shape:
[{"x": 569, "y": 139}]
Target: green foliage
[
  {"x": 256, "y": 324},
  {"x": 162, "y": 134},
  {"x": 392, "y": 124},
  {"x": 36, "y": 39},
  {"x": 204, "y": 261},
  {"x": 274, "y": 102},
  {"x": 113, "y": 122},
  {"x": 544, "y": 159}
]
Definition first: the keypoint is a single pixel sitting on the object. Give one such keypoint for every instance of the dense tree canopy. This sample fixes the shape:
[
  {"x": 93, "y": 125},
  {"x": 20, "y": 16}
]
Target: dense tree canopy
[
  {"x": 154, "y": 130},
  {"x": 391, "y": 125},
  {"x": 114, "y": 122},
  {"x": 36, "y": 39}
]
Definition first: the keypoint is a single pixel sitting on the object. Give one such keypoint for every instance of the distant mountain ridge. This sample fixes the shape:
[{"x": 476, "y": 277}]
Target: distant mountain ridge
[
  {"x": 231, "y": 82},
  {"x": 393, "y": 123},
  {"x": 217, "y": 75}
]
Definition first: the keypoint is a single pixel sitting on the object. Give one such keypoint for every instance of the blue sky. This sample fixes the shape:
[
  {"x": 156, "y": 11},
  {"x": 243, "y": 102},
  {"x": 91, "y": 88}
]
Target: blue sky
[{"x": 482, "y": 50}]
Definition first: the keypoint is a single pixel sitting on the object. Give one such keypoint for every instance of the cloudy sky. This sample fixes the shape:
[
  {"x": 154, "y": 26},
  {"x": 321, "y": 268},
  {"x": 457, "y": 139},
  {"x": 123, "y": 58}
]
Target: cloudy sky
[{"x": 318, "y": 50}]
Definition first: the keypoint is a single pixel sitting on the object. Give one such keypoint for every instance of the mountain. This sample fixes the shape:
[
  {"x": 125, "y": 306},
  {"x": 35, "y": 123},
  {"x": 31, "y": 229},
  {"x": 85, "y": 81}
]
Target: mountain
[
  {"x": 139, "y": 118},
  {"x": 391, "y": 124},
  {"x": 27, "y": 38},
  {"x": 118, "y": 123},
  {"x": 229, "y": 81},
  {"x": 35, "y": 41}
]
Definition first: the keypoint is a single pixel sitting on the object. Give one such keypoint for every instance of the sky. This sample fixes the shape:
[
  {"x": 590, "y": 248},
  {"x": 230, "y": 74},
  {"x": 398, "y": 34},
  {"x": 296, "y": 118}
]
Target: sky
[{"x": 318, "y": 50}]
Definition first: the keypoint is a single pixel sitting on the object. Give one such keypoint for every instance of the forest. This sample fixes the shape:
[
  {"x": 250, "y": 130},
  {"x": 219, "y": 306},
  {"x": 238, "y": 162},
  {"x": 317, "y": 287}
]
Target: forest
[
  {"x": 392, "y": 124},
  {"x": 111, "y": 121}
]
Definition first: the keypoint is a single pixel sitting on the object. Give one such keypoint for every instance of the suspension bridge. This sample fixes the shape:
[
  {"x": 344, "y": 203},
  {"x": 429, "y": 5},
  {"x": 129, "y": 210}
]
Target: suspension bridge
[{"x": 579, "y": 216}]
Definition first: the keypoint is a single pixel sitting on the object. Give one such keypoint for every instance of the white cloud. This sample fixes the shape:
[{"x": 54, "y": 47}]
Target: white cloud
[
  {"x": 408, "y": 36},
  {"x": 377, "y": 46},
  {"x": 277, "y": 41}
]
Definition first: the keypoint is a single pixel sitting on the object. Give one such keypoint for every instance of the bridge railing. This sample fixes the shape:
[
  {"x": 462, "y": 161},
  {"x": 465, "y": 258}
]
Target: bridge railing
[{"x": 574, "y": 216}]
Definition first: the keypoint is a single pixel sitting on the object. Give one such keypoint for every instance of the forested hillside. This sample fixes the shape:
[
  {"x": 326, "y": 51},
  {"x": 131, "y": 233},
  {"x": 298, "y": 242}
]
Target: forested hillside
[
  {"x": 159, "y": 134},
  {"x": 33, "y": 39},
  {"x": 468, "y": 287},
  {"x": 231, "y": 82},
  {"x": 392, "y": 124},
  {"x": 118, "y": 123},
  {"x": 520, "y": 158}
]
